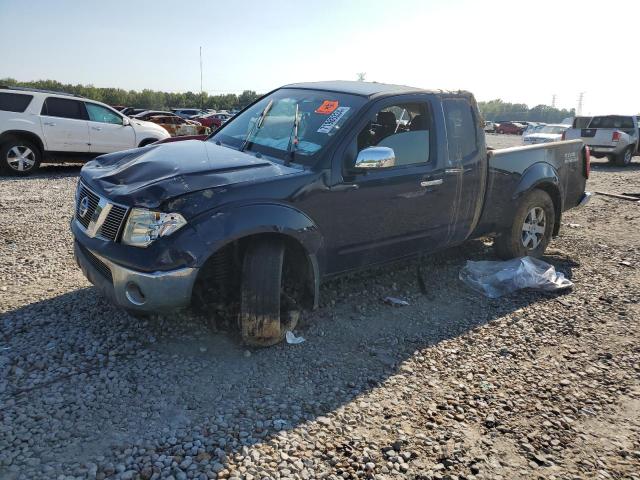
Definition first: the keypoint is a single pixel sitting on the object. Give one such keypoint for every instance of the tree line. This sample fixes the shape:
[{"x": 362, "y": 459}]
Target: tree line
[
  {"x": 151, "y": 99},
  {"x": 499, "y": 110},
  {"x": 154, "y": 99}
]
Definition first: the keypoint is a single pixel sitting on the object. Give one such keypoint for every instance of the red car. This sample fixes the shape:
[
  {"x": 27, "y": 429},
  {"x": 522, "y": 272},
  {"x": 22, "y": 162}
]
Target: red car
[
  {"x": 510, "y": 127},
  {"x": 212, "y": 120}
]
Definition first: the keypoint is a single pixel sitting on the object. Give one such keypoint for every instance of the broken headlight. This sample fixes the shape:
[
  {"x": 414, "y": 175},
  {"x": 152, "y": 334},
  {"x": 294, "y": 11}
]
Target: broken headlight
[{"x": 144, "y": 226}]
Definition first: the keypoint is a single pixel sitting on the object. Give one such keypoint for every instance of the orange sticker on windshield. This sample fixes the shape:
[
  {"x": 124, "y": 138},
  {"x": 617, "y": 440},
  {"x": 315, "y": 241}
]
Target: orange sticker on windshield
[{"x": 327, "y": 107}]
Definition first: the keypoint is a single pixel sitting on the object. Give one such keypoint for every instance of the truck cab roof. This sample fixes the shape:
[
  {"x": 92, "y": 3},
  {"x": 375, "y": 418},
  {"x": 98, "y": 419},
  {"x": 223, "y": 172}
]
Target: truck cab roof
[{"x": 365, "y": 89}]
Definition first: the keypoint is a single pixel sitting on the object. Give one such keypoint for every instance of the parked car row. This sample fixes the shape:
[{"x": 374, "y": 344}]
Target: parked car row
[{"x": 41, "y": 125}]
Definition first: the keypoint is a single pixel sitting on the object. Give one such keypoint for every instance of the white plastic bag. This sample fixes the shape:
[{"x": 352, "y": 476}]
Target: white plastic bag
[
  {"x": 292, "y": 339},
  {"x": 495, "y": 279}
]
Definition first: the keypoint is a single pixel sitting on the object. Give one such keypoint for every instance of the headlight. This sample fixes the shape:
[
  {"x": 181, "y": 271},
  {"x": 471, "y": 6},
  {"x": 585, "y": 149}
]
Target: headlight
[{"x": 144, "y": 226}]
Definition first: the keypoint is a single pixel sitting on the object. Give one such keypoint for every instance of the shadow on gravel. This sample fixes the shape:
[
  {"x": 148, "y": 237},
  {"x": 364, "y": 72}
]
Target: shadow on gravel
[
  {"x": 602, "y": 165},
  {"x": 49, "y": 171},
  {"x": 97, "y": 379}
]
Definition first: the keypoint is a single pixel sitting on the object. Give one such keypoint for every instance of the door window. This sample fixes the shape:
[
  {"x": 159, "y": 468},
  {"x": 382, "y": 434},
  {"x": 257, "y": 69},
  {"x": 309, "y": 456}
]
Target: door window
[
  {"x": 98, "y": 113},
  {"x": 461, "y": 129},
  {"x": 405, "y": 128},
  {"x": 64, "y": 108}
]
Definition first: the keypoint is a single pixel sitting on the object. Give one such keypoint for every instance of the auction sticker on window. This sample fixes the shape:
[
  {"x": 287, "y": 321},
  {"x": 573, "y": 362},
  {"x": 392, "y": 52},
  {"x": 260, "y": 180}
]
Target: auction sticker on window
[
  {"x": 327, "y": 107},
  {"x": 333, "y": 119}
]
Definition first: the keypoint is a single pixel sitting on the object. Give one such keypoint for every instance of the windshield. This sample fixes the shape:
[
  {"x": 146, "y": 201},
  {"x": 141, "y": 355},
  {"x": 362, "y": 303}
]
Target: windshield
[
  {"x": 552, "y": 129},
  {"x": 321, "y": 115}
]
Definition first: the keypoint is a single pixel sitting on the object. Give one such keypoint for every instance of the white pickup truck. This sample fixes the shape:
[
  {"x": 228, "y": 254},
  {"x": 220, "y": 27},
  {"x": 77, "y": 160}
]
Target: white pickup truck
[
  {"x": 612, "y": 136},
  {"x": 40, "y": 126}
]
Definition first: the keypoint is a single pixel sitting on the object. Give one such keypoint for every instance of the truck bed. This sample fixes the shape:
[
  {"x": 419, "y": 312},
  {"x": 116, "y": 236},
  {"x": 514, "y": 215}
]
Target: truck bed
[{"x": 513, "y": 171}]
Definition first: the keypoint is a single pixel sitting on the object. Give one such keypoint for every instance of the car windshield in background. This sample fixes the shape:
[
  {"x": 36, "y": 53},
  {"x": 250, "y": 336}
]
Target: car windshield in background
[
  {"x": 320, "y": 116},
  {"x": 611, "y": 121}
]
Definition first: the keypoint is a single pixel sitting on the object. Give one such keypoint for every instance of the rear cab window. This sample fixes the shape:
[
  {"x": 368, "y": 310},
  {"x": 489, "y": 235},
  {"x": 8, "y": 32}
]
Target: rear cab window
[
  {"x": 64, "y": 108},
  {"x": 612, "y": 121},
  {"x": 14, "y": 102}
]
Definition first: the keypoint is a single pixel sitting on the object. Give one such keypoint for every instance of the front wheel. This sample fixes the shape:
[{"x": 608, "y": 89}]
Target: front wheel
[
  {"x": 531, "y": 230},
  {"x": 19, "y": 157},
  {"x": 624, "y": 159},
  {"x": 264, "y": 318}
]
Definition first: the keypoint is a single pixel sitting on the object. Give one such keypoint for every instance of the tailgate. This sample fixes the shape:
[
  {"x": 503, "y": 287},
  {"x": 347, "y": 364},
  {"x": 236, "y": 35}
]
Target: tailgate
[{"x": 598, "y": 136}]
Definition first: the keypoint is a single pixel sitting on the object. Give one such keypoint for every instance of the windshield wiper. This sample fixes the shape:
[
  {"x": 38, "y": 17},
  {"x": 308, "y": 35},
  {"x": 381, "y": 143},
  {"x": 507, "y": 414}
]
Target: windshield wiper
[
  {"x": 293, "y": 139},
  {"x": 256, "y": 125}
]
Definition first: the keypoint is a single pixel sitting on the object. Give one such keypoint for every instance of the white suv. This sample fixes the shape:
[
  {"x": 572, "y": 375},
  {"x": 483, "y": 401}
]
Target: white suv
[{"x": 40, "y": 126}]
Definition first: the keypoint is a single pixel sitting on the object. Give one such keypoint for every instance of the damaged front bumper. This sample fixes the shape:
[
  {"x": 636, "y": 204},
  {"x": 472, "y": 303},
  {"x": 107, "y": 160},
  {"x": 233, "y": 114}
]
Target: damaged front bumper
[{"x": 146, "y": 292}]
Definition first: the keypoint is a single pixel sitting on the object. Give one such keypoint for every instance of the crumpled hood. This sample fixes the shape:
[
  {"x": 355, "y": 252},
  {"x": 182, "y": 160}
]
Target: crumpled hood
[{"x": 148, "y": 176}]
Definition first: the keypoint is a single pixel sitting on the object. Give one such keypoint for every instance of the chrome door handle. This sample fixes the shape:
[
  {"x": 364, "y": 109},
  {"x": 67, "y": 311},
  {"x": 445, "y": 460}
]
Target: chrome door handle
[
  {"x": 50, "y": 124},
  {"x": 431, "y": 183},
  {"x": 96, "y": 128}
]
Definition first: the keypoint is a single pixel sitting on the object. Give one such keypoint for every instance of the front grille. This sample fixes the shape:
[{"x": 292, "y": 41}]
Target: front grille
[
  {"x": 93, "y": 203},
  {"x": 111, "y": 226},
  {"x": 98, "y": 264}
]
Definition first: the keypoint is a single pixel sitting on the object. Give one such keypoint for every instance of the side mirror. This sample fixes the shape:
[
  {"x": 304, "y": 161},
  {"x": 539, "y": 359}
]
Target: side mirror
[
  {"x": 375, "y": 157},
  {"x": 125, "y": 121}
]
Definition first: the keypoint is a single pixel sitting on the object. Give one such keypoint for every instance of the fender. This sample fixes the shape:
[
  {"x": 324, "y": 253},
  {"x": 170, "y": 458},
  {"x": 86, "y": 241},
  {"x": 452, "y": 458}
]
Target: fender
[
  {"x": 534, "y": 176},
  {"x": 219, "y": 228},
  {"x": 545, "y": 177},
  {"x": 25, "y": 133}
]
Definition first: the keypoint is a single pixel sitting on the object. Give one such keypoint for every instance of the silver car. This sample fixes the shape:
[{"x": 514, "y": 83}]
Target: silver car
[{"x": 612, "y": 136}]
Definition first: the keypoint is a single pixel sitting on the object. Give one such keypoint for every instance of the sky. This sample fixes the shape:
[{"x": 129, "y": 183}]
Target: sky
[{"x": 519, "y": 51}]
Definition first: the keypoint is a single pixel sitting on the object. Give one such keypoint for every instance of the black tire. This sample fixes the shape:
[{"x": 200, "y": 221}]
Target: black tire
[
  {"x": 261, "y": 293},
  {"x": 19, "y": 157},
  {"x": 511, "y": 243},
  {"x": 624, "y": 158}
]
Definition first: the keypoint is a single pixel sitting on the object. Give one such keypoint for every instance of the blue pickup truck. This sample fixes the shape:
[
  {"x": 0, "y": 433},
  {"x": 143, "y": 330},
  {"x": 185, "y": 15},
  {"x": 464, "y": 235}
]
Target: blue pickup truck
[{"x": 311, "y": 181}]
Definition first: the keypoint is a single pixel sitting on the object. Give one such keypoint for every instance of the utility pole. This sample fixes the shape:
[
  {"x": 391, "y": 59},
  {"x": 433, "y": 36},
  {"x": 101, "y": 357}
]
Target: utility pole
[
  {"x": 553, "y": 101},
  {"x": 201, "y": 95},
  {"x": 580, "y": 103}
]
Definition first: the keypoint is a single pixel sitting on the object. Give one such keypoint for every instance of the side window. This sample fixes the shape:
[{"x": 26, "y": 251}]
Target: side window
[
  {"x": 64, "y": 108},
  {"x": 98, "y": 113},
  {"x": 461, "y": 129},
  {"x": 404, "y": 128},
  {"x": 14, "y": 102}
]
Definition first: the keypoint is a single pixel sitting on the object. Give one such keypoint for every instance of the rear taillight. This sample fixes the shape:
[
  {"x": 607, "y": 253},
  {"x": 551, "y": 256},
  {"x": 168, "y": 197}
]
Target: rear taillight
[
  {"x": 616, "y": 136},
  {"x": 587, "y": 161}
]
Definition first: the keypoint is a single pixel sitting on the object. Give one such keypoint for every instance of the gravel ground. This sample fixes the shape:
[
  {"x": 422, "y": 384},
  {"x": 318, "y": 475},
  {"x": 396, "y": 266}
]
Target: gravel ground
[{"x": 453, "y": 386}]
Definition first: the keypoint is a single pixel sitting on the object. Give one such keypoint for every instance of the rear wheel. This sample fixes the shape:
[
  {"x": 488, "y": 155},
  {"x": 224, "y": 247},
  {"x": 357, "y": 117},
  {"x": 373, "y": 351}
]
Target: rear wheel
[
  {"x": 531, "y": 230},
  {"x": 264, "y": 318},
  {"x": 624, "y": 158},
  {"x": 19, "y": 157}
]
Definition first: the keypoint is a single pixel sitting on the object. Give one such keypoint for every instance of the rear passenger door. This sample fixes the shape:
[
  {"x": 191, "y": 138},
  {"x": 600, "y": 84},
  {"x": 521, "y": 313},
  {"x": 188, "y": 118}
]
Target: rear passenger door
[
  {"x": 64, "y": 125},
  {"x": 465, "y": 161}
]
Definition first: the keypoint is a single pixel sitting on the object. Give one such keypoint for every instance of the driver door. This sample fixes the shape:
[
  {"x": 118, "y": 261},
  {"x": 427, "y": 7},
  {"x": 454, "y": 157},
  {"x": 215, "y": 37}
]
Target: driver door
[{"x": 381, "y": 214}]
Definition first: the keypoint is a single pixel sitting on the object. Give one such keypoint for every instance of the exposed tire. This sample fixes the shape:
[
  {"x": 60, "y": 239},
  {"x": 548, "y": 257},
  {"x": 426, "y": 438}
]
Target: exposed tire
[
  {"x": 624, "y": 158},
  {"x": 263, "y": 321},
  {"x": 531, "y": 230},
  {"x": 19, "y": 157}
]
